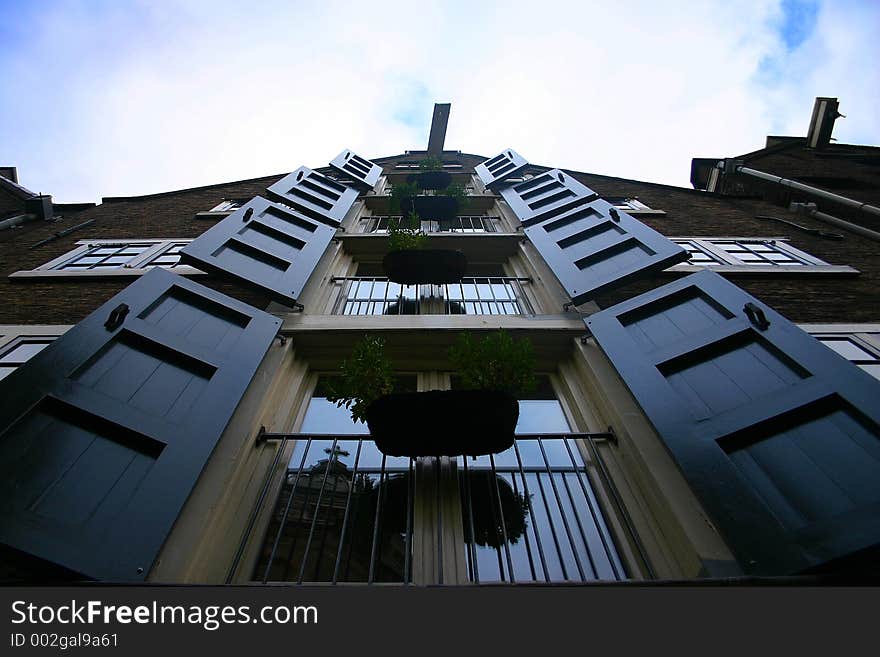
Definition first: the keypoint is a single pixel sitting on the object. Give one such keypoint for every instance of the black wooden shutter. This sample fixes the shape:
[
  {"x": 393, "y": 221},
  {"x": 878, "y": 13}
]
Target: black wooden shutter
[
  {"x": 364, "y": 172},
  {"x": 777, "y": 435},
  {"x": 263, "y": 245},
  {"x": 589, "y": 245},
  {"x": 496, "y": 170},
  {"x": 104, "y": 433},
  {"x": 314, "y": 194}
]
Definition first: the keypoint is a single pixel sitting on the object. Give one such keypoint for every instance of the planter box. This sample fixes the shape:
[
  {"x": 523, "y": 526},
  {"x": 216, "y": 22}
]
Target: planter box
[
  {"x": 436, "y": 266},
  {"x": 443, "y": 422},
  {"x": 431, "y": 179},
  {"x": 430, "y": 207}
]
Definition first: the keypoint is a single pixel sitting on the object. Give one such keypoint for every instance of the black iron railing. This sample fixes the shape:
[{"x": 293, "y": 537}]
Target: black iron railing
[
  {"x": 346, "y": 513},
  {"x": 486, "y": 295},
  {"x": 461, "y": 224}
]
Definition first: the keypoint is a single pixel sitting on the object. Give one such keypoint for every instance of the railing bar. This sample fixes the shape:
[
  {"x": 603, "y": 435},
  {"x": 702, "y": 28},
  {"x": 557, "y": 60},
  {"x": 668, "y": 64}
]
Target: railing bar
[
  {"x": 598, "y": 520},
  {"x": 503, "y": 520},
  {"x": 439, "y": 522},
  {"x": 329, "y": 512},
  {"x": 295, "y": 540},
  {"x": 410, "y": 501},
  {"x": 354, "y": 474},
  {"x": 627, "y": 520},
  {"x": 283, "y": 520},
  {"x": 532, "y": 513},
  {"x": 565, "y": 526},
  {"x": 580, "y": 526},
  {"x": 472, "y": 544},
  {"x": 253, "y": 517},
  {"x": 552, "y": 526},
  {"x": 305, "y": 559},
  {"x": 376, "y": 520},
  {"x": 525, "y": 531}
]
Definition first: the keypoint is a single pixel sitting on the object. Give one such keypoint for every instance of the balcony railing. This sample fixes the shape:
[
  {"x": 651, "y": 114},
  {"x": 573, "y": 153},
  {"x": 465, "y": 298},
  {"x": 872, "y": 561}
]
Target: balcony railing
[
  {"x": 374, "y": 295},
  {"x": 461, "y": 224},
  {"x": 347, "y": 513}
]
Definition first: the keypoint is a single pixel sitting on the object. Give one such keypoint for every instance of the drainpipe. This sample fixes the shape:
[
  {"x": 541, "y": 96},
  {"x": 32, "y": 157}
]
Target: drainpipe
[
  {"x": 14, "y": 221},
  {"x": 808, "y": 189},
  {"x": 810, "y": 210}
]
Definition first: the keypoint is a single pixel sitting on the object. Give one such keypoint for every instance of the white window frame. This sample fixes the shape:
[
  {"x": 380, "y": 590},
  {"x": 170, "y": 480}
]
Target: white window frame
[
  {"x": 863, "y": 336},
  {"x": 222, "y": 209},
  {"x": 11, "y": 335},
  {"x": 728, "y": 263},
  {"x": 135, "y": 267}
]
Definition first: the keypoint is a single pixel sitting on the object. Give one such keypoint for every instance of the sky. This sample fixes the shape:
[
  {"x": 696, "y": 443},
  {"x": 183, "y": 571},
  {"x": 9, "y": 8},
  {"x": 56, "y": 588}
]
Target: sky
[{"x": 115, "y": 98}]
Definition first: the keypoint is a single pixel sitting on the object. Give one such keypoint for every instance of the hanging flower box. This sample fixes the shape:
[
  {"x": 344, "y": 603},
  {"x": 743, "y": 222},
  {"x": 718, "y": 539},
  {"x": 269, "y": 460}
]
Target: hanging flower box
[
  {"x": 430, "y": 208},
  {"x": 443, "y": 422},
  {"x": 437, "y": 266},
  {"x": 432, "y": 179}
]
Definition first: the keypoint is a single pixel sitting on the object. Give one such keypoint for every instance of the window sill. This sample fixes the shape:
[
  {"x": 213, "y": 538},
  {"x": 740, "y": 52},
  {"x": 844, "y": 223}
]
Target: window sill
[
  {"x": 764, "y": 270},
  {"x": 108, "y": 273}
]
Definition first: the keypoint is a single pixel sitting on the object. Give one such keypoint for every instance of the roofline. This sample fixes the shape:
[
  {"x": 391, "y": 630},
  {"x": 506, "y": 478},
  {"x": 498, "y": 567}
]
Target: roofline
[{"x": 16, "y": 189}]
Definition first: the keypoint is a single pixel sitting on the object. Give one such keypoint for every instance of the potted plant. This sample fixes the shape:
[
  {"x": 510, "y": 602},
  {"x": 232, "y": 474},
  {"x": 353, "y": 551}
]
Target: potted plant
[
  {"x": 409, "y": 262},
  {"x": 480, "y": 418}
]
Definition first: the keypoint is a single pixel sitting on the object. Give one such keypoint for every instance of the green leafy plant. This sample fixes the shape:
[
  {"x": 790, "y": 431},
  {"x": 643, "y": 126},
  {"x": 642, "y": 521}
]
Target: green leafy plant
[
  {"x": 366, "y": 375},
  {"x": 495, "y": 362},
  {"x": 457, "y": 192},
  {"x": 399, "y": 192},
  {"x": 431, "y": 164},
  {"x": 406, "y": 233}
]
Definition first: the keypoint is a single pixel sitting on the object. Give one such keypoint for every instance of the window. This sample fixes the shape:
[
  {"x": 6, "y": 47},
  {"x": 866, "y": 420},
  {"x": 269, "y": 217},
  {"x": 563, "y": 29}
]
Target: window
[
  {"x": 858, "y": 343},
  {"x": 754, "y": 254},
  {"x": 375, "y": 295},
  {"x": 346, "y": 513},
  {"x": 632, "y": 205},
  {"x": 19, "y": 351},
  {"x": 229, "y": 205},
  {"x": 222, "y": 209},
  {"x": 553, "y": 529},
  {"x": 113, "y": 257}
]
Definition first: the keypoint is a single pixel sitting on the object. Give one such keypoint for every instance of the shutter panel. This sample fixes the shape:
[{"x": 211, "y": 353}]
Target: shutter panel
[
  {"x": 497, "y": 169},
  {"x": 315, "y": 195},
  {"x": 364, "y": 172},
  {"x": 592, "y": 247},
  {"x": 263, "y": 245},
  {"x": 777, "y": 435},
  {"x": 104, "y": 433}
]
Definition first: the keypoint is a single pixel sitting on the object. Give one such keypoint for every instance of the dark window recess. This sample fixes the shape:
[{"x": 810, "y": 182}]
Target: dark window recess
[
  {"x": 591, "y": 246},
  {"x": 263, "y": 245},
  {"x": 494, "y": 171},
  {"x": 363, "y": 172},
  {"x": 776, "y": 434},
  {"x": 105, "y": 431},
  {"x": 314, "y": 195}
]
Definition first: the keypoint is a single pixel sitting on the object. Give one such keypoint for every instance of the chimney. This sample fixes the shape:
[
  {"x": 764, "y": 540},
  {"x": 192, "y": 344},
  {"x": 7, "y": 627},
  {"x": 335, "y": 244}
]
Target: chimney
[
  {"x": 10, "y": 173},
  {"x": 40, "y": 205},
  {"x": 822, "y": 123},
  {"x": 438, "y": 128}
]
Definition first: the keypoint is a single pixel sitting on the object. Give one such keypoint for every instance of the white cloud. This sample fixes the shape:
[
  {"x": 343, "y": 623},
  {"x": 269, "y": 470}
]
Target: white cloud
[{"x": 158, "y": 97}]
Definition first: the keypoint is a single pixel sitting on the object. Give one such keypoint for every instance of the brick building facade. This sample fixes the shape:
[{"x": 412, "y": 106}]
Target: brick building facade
[{"x": 635, "y": 502}]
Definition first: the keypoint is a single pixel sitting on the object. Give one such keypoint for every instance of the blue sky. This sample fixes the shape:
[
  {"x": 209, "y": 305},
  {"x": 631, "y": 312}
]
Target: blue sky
[{"x": 106, "y": 98}]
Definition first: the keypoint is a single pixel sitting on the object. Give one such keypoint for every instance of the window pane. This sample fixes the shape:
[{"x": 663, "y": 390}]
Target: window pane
[
  {"x": 847, "y": 349},
  {"x": 23, "y": 351}
]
